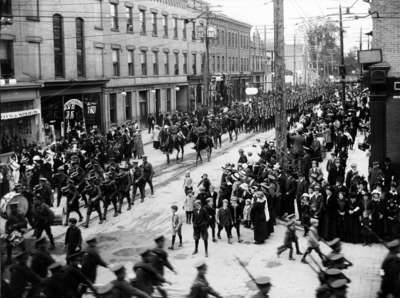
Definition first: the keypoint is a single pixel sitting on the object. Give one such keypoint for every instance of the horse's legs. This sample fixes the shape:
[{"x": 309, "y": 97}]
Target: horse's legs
[
  {"x": 236, "y": 134},
  {"x": 167, "y": 158},
  {"x": 183, "y": 150},
  {"x": 230, "y": 135}
]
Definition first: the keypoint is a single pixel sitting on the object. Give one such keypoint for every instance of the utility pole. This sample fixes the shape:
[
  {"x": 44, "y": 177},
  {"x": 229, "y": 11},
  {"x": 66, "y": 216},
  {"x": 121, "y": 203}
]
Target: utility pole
[
  {"x": 294, "y": 62},
  {"x": 206, "y": 75},
  {"x": 280, "y": 113},
  {"x": 265, "y": 62},
  {"x": 342, "y": 66},
  {"x": 361, "y": 47}
]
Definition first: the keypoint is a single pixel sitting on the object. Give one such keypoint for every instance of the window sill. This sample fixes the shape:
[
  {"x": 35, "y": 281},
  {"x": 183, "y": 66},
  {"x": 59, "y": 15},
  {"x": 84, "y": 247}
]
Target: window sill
[
  {"x": 33, "y": 18},
  {"x": 98, "y": 28},
  {"x": 115, "y": 29}
]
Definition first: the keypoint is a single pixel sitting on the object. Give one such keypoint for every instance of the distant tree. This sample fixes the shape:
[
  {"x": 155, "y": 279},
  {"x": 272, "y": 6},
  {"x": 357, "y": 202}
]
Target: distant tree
[
  {"x": 351, "y": 62},
  {"x": 322, "y": 39}
]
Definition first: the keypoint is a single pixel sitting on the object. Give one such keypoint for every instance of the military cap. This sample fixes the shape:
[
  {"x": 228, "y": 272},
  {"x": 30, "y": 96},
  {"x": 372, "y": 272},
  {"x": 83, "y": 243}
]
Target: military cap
[
  {"x": 335, "y": 257},
  {"x": 338, "y": 284},
  {"x": 145, "y": 253},
  {"x": 291, "y": 217},
  {"x": 60, "y": 168},
  {"x": 159, "y": 238},
  {"x": 144, "y": 156},
  {"x": 209, "y": 200},
  {"x": 91, "y": 239},
  {"x": 263, "y": 281},
  {"x": 116, "y": 268},
  {"x": 36, "y": 158},
  {"x": 41, "y": 178},
  {"x": 73, "y": 220},
  {"x": 333, "y": 271},
  {"x": 197, "y": 202},
  {"x": 200, "y": 264}
]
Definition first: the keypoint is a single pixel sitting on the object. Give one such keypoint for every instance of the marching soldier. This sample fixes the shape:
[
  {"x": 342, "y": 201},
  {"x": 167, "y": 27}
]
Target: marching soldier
[
  {"x": 60, "y": 180},
  {"x": 122, "y": 288},
  {"x": 53, "y": 286},
  {"x": 110, "y": 192},
  {"x": 200, "y": 287},
  {"x": 91, "y": 259},
  {"x": 123, "y": 184},
  {"x": 41, "y": 258},
  {"x": 73, "y": 277},
  {"x": 137, "y": 181},
  {"x": 390, "y": 270},
  {"x": 147, "y": 276},
  {"x": 148, "y": 173},
  {"x": 21, "y": 275},
  {"x": 72, "y": 195},
  {"x": 94, "y": 195},
  {"x": 43, "y": 217}
]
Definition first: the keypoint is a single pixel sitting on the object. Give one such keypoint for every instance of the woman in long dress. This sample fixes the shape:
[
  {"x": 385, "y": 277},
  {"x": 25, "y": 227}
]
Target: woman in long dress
[{"x": 259, "y": 216}]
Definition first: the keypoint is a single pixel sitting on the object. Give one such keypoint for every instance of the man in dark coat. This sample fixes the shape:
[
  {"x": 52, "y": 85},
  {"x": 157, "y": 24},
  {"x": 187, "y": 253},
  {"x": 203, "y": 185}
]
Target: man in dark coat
[
  {"x": 21, "y": 275},
  {"x": 211, "y": 212},
  {"x": 43, "y": 217},
  {"x": 390, "y": 286},
  {"x": 41, "y": 258},
  {"x": 302, "y": 188},
  {"x": 201, "y": 287},
  {"x": 91, "y": 259},
  {"x": 73, "y": 277},
  {"x": 200, "y": 224},
  {"x": 121, "y": 288},
  {"x": 73, "y": 238},
  {"x": 53, "y": 286},
  {"x": 224, "y": 220},
  {"x": 236, "y": 211}
]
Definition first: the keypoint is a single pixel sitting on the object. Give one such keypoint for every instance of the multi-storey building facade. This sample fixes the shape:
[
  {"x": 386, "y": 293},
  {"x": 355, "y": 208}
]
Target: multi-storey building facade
[
  {"x": 258, "y": 61},
  {"x": 94, "y": 63},
  {"x": 230, "y": 56}
]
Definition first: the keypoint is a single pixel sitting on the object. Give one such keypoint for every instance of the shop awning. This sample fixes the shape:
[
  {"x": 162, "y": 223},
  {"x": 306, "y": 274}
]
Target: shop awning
[{"x": 19, "y": 114}]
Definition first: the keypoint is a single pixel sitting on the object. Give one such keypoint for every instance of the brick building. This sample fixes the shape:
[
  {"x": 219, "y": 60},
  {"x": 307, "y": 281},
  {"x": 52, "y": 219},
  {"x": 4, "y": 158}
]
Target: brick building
[
  {"x": 230, "y": 56},
  {"x": 383, "y": 82},
  {"x": 258, "y": 61},
  {"x": 97, "y": 62}
]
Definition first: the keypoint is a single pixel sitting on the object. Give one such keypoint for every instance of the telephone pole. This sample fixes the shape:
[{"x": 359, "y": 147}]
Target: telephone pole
[
  {"x": 280, "y": 113},
  {"x": 294, "y": 61},
  {"x": 342, "y": 66}
]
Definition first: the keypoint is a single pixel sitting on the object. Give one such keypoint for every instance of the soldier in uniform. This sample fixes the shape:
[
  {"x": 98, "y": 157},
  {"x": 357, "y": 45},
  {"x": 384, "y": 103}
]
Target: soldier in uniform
[
  {"x": 53, "y": 286},
  {"x": 60, "y": 180},
  {"x": 94, "y": 196},
  {"x": 147, "y": 276},
  {"x": 263, "y": 284},
  {"x": 73, "y": 277},
  {"x": 43, "y": 217},
  {"x": 390, "y": 270},
  {"x": 201, "y": 287},
  {"x": 16, "y": 222},
  {"x": 72, "y": 195},
  {"x": 91, "y": 259},
  {"x": 41, "y": 258},
  {"x": 123, "y": 185},
  {"x": 110, "y": 192},
  {"x": 137, "y": 181},
  {"x": 122, "y": 288},
  {"x": 21, "y": 275},
  {"x": 148, "y": 173}
]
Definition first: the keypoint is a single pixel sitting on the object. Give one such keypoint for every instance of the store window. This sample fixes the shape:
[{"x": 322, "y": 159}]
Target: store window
[
  {"x": 6, "y": 59},
  {"x": 128, "y": 106},
  {"x": 114, "y": 15},
  {"x": 58, "y": 41},
  {"x": 113, "y": 107},
  {"x": 80, "y": 47}
]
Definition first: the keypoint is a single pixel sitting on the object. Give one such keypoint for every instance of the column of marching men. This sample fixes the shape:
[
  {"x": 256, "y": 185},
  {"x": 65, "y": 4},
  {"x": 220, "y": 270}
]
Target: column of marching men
[{"x": 254, "y": 193}]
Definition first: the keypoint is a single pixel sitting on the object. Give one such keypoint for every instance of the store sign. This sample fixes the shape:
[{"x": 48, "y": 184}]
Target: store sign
[
  {"x": 70, "y": 104},
  {"x": 370, "y": 56},
  {"x": 19, "y": 114}
]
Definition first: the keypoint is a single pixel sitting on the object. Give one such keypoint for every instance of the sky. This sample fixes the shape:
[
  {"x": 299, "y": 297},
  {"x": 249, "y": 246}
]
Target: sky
[{"x": 297, "y": 13}]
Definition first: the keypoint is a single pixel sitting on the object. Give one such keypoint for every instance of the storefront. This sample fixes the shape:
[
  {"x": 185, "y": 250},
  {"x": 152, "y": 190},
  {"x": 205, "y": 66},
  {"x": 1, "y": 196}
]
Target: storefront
[
  {"x": 71, "y": 106},
  {"x": 195, "y": 92},
  {"x": 20, "y": 116}
]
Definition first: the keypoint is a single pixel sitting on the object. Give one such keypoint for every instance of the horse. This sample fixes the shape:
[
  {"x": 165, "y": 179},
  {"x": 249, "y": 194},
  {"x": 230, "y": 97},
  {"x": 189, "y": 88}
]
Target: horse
[
  {"x": 202, "y": 142},
  {"x": 170, "y": 141},
  {"x": 232, "y": 124}
]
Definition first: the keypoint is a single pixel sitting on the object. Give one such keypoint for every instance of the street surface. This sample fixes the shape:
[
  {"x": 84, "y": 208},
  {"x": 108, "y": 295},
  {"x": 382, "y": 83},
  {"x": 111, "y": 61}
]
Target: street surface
[{"x": 121, "y": 239}]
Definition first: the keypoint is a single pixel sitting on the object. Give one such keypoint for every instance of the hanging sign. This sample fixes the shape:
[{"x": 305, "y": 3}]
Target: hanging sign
[{"x": 19, "y": 114}]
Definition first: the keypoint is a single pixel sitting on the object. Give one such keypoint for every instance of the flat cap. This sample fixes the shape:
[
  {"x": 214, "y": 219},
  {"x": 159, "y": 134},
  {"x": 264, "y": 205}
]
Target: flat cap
[
  {"x": 159, "y": 238},
  {"x": 200, "y": 264},
  {"x": 263, "y": 281},
  {"x": 91, "y": 239}
]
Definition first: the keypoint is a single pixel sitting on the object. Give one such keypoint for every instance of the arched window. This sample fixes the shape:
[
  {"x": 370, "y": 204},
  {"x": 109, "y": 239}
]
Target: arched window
[
  {"x": 80, "y": 47},
  {"x": 58, "y": 36}
]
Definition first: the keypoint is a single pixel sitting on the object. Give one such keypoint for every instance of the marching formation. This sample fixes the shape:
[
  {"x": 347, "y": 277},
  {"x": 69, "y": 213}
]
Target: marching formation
[{"x": 256, "y": 193}]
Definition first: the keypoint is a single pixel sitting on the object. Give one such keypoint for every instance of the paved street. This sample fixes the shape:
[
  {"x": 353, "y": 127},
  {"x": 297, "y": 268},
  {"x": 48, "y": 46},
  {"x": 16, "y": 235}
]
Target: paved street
[{"x": 124, "y": 237}]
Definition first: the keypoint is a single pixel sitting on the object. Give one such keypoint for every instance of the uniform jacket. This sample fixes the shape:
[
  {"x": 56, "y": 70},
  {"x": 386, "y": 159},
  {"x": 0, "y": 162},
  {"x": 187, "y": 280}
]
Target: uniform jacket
[
  {"x": 201, "y": 288},
  {"x": 91, "y": 259},
  {"x": 41, "y": 260}
]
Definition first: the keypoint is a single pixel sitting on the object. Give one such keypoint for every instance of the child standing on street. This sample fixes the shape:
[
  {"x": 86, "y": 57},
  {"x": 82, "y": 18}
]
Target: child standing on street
[
  {"x": 246, "y": 214},
  {"x": 290, "y": 237},
  {"x": 188, "y": 206},
  {"x": 73, "y": 238},
  {"x": 176, "y": 226},
  {"x": 187, "y": 183}
]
